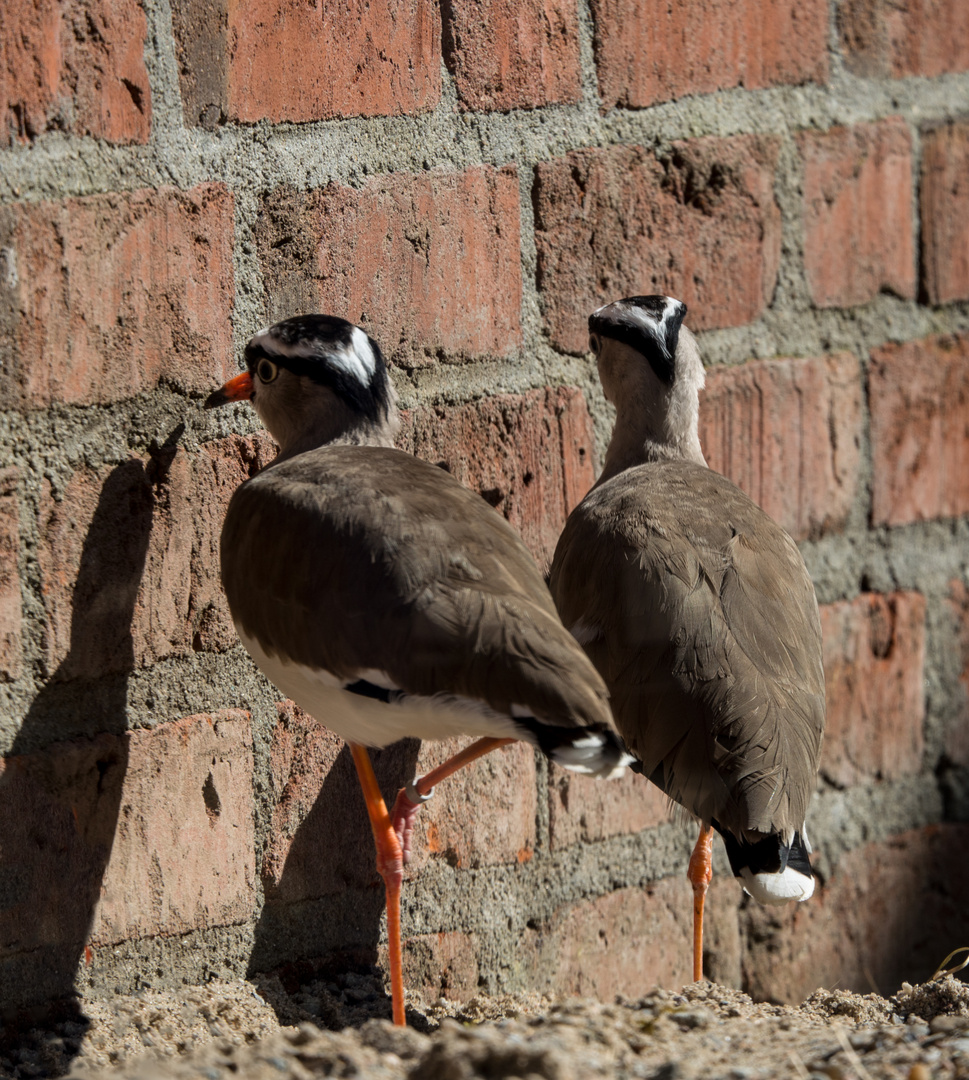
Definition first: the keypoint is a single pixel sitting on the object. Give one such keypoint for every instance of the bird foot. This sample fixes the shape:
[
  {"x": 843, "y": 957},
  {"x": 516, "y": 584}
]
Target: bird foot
[{"x": 409, "y": 800}]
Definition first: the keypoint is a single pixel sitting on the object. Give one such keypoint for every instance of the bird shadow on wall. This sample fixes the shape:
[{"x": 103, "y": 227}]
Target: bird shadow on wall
[
  {"x": 60, "y": 798},
  {"x": 324, "y": 900}
]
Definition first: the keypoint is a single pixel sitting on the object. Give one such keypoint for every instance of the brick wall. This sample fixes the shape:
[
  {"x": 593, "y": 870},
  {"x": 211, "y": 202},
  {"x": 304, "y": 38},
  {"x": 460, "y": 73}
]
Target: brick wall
[{"x": 468, "y": 181}]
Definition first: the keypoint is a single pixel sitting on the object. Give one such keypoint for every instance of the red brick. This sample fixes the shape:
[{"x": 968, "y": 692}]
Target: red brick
[
  {"x": 788, "y": 432},
  {"x": 583, "y": 809},
  {"x": 483, "y": 815},
  {"x": 649, "y": 50},
  {"x": 74, "y": 67},
  {"x": 430, "y": 264},
  {"x": 298, "y": 61},
  {"x": 132, "y": 835},
  {"x": 439, "y": 965},
  {"x": 11, "y": 647},
  {"x": 890, "y": 913},
  {"x": 700, "y": 224},
  {"x": 919, "y": 400},
  {"x": 129, "y": 558},
  {"x": 885, "y": 39},
  {"x": 183, "y": 856},
  {"x": 944, "y": 194},
  {"x": 511, "y": 55},
  {"x": 530, "y": 455},
  {"x": 957, "y": 734},
  {"x": 319, "y": 839},
  {"x": 858, "y": 230},
  {"x": 116, "y": 293},
  {"x": 632, "y": 939},
  {"x": 874, "y": 656}
]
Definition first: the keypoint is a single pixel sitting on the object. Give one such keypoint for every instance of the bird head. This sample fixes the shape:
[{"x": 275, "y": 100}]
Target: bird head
[
  {"x": 315, "y": 379},
  {"x": 650, "y": 369}
]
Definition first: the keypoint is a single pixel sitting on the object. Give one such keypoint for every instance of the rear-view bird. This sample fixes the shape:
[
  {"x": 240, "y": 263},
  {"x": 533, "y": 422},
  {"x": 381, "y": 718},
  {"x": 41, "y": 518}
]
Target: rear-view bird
[
  {"x": 382, "y": 596},
  {"x": 697, "y": 610}
]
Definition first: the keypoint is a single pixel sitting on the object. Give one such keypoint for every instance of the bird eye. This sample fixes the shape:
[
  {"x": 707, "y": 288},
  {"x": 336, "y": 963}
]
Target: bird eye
[
  {"x": 266, "y": 370},
  {"x": 594, "y": 344}
]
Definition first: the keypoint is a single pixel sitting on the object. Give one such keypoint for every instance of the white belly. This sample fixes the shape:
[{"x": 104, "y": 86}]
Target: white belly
[{"x": 369, "y": 722}]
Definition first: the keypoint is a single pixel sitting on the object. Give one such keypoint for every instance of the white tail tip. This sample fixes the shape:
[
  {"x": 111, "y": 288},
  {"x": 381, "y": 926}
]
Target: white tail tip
[{"x": 780, "y": 888}]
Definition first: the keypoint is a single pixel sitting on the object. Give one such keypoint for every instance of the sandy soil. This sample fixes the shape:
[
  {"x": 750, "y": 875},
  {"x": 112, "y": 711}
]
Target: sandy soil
[{"x": 234, "y": 1030}]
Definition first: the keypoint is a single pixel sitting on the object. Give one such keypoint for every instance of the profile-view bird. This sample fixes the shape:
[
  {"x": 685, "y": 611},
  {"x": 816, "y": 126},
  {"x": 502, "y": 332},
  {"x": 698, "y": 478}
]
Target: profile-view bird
[
  {"x": 697, "y": 610},
  {"x": 384, "y": 597}
]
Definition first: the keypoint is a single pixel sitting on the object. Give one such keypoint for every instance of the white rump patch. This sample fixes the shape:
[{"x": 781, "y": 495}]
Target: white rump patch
[
  {"x": 778, "y": 888},
  {"x": 585, "y": 756},
  {"x": 368, "y": 721}
]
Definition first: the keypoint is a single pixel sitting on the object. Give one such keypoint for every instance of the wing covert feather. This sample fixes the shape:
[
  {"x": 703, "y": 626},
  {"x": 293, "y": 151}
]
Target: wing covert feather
[
  {"x": 436, "y": 588},
  {"x": 708, "y": 637}
]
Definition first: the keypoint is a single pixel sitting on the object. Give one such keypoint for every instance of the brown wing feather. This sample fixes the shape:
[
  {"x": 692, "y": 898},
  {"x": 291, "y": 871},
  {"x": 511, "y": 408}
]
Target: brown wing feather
[
  {"x": 700, "y": 616},
  {"x": 422, "y": 580}
]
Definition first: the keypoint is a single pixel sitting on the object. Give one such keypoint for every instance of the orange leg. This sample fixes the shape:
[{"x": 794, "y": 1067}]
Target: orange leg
[
  {"x": 412, "y": 798},
  {"x": 390, "y": 865},
  {"x": 700, "y": 874}
]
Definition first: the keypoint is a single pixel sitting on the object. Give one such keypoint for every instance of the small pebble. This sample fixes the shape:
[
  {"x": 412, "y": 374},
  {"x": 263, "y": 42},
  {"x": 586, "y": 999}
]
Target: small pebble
[
  {"x": 862, "y": 1040},
  {"x": 945, "y": 1025}
]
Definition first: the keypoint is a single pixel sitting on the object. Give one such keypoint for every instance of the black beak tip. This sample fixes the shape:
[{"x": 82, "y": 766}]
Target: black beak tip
[{"x": 215, "y": 399}]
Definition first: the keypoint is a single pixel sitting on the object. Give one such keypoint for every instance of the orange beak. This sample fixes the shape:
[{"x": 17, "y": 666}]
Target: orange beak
[{"x": 237, "y": 389}]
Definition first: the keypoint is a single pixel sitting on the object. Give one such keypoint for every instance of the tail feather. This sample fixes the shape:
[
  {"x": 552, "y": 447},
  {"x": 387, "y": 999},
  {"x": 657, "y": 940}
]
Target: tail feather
[
  {"x": 772, "y": 871},
  {"x": 582, "y": 750}
]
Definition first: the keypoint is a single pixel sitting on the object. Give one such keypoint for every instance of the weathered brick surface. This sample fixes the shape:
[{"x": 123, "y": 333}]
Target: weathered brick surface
[
  {"x": 649, "y": 51},
  {"x": 122, "y": 836},
  {"x": 633, "y": 939},
  {"x": 919, "y": 400},
  {"x": 529, "y": 455},
  {"x": 700, "y": 224},
  {"x": 429, "y": 264},
  {"x": 129, "y": 558},
  {"x": 201, "y": 32},
  {"x": 440, "y": 964},
  {"x": 858, "y": 228},
  {"x": 884, "y": 39},
  {"x": 11, "y": 646},
  {"x": 944, "y": 203},
  {"x": 320, "y": 839},
  {"x": 788, "y": 432},
  {"x": 890, "y": 913},
  {"x": 510, "y": 55},
  {"x": 182, "y": 857},
  {"x": 113, "y": 294},
  {"x": 957, "y": 735},
  {"x": 482, "y": 815},
  {"x": 75, "y": 67},
  {"x": 302, "y": 754},
  {"x": 874, "y": 656},
  {"x": 583, "y": 809},
  {"x": 297, "y": 61}
]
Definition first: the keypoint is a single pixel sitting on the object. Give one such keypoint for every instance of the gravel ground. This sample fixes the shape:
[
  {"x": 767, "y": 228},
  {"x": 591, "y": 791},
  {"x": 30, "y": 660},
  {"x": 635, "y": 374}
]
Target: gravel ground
[{"x": 232, "y": 1031}]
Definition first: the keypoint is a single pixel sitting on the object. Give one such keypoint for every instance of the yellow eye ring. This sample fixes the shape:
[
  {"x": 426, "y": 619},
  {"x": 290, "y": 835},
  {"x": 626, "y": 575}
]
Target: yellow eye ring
[{"x": 266, "y": 370}]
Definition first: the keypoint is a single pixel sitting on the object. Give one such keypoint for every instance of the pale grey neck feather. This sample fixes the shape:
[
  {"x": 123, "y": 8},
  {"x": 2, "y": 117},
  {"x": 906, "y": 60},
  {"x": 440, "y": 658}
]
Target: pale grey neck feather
[
  {"x": 654, "y": 422},
  {"x": 302, "y": 415}
]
